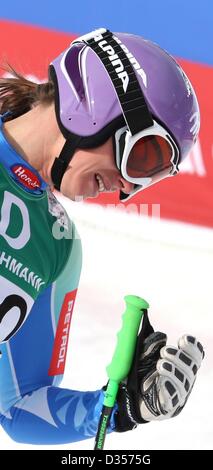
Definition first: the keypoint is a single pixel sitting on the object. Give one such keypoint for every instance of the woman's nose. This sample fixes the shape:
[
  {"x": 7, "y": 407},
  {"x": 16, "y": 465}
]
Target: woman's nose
[{"x": 127, "y": 187}]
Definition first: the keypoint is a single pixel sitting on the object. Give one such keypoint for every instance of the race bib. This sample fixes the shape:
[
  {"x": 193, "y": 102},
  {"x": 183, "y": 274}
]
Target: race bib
[{"x": 15, "y": 306}]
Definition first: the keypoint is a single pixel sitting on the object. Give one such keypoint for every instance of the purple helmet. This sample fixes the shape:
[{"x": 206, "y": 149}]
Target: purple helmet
[{"x": 88, "y": 108}]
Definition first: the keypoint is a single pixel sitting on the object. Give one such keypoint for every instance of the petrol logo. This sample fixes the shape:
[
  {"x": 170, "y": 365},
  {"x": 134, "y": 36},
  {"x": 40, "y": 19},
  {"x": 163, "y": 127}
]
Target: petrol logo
[{"x": 62, "y": 335}]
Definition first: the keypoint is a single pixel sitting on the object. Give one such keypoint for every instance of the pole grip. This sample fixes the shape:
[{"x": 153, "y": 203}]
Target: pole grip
[{"x": 121, "y": 362}]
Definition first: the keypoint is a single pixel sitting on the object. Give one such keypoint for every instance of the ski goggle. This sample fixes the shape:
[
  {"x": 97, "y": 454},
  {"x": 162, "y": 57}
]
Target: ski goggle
[{"x": 147, "y": 157}]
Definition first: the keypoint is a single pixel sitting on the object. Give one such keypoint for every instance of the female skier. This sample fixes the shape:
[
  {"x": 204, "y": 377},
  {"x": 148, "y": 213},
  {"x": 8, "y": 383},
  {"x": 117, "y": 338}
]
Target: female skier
[{"x": 118, "y": 113}]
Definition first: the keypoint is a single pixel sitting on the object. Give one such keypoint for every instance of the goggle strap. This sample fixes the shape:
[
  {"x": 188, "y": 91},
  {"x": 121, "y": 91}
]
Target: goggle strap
[
  {"x": 62, "y": 161},
  {"x": 132, "y": 100}
]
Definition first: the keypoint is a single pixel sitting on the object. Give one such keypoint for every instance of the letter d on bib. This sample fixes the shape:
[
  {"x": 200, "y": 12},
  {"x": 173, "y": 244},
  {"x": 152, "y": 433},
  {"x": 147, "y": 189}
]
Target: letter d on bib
[{"x": 19, "y": 242}]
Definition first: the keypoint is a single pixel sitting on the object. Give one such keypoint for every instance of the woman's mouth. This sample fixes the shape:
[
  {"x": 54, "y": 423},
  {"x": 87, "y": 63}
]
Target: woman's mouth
[{"x": 101, "y": 186}]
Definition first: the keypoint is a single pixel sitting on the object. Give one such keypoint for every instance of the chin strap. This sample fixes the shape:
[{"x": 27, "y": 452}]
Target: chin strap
[{"x": 62, "y": 161}]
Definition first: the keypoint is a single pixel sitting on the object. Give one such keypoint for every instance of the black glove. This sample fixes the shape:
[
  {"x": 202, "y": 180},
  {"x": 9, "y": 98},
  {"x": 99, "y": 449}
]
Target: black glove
[{"x": 160, "y": 380}]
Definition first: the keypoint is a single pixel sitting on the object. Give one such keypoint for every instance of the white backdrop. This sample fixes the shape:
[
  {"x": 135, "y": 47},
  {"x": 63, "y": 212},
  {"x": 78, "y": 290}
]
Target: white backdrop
[{"x": 170, "y": 265}]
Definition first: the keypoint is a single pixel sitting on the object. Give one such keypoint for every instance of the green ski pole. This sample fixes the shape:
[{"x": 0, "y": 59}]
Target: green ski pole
[{"x": 121, "y": 361}]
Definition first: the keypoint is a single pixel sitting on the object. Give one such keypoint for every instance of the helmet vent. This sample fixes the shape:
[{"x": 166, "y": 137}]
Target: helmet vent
[{"x": 72, "y": 68}]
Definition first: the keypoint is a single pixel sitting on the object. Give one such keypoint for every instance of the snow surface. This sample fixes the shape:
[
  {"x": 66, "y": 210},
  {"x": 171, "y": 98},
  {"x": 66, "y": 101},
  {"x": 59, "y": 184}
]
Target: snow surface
[{"x": 169, "y": 264}]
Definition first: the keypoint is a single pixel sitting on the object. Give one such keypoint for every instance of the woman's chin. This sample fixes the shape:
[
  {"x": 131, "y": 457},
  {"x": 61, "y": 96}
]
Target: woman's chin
[
  {"x": 84, "y": 197},
  {"x": 83, "y": 191},
  {"x": 90, "y": 192}
]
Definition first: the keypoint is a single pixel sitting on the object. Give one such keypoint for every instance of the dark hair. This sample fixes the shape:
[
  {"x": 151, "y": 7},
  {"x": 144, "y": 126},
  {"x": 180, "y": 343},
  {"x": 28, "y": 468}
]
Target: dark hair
[{"x": 18, "y": 94}]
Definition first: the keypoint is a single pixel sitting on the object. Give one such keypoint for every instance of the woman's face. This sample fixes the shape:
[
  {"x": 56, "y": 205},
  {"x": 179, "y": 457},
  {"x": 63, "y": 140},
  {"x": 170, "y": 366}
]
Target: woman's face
[{"x": 92, "y": 172}]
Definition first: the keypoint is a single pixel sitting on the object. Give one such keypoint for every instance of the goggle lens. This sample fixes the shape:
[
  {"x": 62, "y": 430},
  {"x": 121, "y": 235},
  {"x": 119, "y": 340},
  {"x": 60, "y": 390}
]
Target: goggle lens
[{"x": 149, "y": 156}]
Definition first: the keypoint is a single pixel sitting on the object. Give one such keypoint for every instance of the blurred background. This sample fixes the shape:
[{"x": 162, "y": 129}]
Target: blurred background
[{"x": 165, "y": 252}]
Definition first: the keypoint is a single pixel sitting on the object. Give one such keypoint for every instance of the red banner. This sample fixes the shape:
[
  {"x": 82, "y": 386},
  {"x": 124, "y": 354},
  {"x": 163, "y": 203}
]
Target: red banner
[{"x": 188, "y": 196}]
